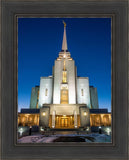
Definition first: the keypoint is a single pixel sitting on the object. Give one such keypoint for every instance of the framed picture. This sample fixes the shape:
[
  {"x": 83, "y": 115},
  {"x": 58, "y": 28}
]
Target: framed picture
[
  {"x": 64, "y": 107},
  {"x": 79, "y": 108}
]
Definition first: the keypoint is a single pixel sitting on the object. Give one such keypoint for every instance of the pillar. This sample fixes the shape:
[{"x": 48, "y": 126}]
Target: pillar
[
  {"x": 53, "y": 119},
  {"x": 75, "y": 119}
]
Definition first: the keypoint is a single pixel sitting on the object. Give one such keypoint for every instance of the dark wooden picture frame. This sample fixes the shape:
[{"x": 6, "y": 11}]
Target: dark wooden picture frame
[{"x": 10, "y": 10}]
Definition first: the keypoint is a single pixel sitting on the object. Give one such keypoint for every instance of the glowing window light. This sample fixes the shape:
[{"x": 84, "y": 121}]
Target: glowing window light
[{"x": 64, "y": 77}]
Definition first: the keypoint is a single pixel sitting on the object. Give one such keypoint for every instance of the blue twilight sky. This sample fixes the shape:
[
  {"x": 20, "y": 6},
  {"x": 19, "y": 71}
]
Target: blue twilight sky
[{"x": 40, "y": 41}]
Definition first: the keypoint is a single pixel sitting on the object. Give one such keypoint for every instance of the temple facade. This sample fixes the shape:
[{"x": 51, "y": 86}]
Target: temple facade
[{"x": 65, "y": 100}]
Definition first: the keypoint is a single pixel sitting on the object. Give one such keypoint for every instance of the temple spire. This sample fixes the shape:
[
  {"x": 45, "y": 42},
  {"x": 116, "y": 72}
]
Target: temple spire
[
  {"x": 64, "y": 53},
  {"x": 64, "y": 43}
]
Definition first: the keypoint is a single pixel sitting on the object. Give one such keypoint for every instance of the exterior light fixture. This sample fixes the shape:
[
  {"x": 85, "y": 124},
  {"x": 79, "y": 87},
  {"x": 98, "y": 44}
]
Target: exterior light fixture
[
  {"x": 85, "y": 113},
  {"x": 21, "y": 131},
  {"x": 100, "y": 127},
  {"x": 44, "y": 114},
  {"x": 108, "y": 131},
  {"x": 41, "y": 129},
  {"x": 87, "y": 129}
]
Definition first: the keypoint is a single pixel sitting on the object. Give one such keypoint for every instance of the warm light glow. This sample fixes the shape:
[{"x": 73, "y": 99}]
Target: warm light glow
[
  {"x": 64, "y": 96},
  {"x": 64, "y": 115},
  {"x": 30, "y": 118},
  {"x": 85, "y": 113},
  {"x": 44, "y": 113},
  {"x": 64, "y": 77}
]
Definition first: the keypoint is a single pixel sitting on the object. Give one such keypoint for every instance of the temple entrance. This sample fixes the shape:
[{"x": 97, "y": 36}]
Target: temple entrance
[{"x": 64, "y": 121}]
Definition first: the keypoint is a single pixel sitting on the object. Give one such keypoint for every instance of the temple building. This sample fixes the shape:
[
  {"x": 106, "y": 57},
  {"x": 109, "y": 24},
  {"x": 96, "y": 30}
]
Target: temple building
[{"x": 64, "y": 100}]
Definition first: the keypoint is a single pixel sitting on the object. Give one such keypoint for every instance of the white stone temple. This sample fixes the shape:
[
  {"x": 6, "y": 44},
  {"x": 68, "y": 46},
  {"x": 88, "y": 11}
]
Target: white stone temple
[{"x": 64, "y": 98}]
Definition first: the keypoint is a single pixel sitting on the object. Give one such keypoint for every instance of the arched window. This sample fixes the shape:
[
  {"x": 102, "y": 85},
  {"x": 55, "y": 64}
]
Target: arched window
[
  {"x": 64, "y": 80},
  {"x": 82, "y": 92},
  {"x": 46, "y": 92}
]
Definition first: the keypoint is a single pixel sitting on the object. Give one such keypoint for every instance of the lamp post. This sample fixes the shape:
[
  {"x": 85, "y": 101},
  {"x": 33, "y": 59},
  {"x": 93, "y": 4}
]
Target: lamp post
[
  {"x": 100, "y": 131},
  {"x": 108, "y": 131}
]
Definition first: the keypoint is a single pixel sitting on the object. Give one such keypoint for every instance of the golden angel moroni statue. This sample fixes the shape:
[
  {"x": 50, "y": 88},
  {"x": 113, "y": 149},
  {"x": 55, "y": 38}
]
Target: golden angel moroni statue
[{"x": 64, "y": 23}]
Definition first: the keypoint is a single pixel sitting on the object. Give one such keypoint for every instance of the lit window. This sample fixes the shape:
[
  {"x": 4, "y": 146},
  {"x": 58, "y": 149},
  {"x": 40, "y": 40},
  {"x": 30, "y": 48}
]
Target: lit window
[
  {"x": 64, "y": 76},
  {"x": 46, "y": 92},
  {"x": 82, "y": 92}
]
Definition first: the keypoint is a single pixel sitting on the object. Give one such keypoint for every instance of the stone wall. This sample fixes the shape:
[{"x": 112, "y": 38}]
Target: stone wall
[
  {"x": 94, "y": 97},
  {"x": 83, "y": 93},
  {"x": 45, "y": 91},
  {"x": 44, "y": 116},
  {"x": 34, "y": 97},
  {"x": 84, "y": 116}
]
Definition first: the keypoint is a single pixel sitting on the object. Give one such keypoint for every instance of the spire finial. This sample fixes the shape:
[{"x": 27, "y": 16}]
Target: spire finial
[
  {"x": 64, "y": 23},
  {"x": 64, "y": 43}
]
